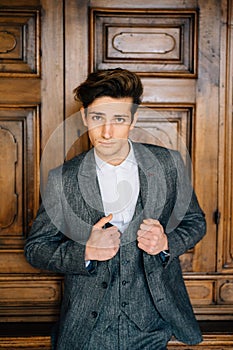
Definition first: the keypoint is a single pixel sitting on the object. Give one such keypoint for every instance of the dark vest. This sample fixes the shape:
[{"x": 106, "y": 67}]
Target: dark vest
[{"x": 128, "y": 291}]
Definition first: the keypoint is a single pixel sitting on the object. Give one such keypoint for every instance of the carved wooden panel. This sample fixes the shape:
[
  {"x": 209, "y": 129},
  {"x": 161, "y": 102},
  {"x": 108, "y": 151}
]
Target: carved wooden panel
[
  {"x": 225, "y": 291},
  {"x": 164, "y": 126},
  {"x": 155, "y": 42},
  {"x": 19, "y": 42},
  {"x": 39, "y": 298},
  {"x": 31, "y": 292},
  {"x": 7, "y": 178},
  {"x": 201, "y": 292},
  {"x": 19, "y": 142},
  {"x": 211, "y": 295}
]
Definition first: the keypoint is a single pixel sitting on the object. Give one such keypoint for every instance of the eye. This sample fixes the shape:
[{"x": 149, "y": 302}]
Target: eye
[
  {"x": 96, "y": 118},
  {"x": 120, "y": 120}
]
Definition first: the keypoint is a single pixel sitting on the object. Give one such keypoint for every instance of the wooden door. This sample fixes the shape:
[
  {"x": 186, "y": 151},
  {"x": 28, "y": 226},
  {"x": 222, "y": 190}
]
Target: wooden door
[
  {"x": 31, "y": 107},
  {"x": 182, "y": 52}
]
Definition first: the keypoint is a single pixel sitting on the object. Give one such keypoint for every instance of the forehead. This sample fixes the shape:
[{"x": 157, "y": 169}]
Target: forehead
[{"x": 110, "y": 105}]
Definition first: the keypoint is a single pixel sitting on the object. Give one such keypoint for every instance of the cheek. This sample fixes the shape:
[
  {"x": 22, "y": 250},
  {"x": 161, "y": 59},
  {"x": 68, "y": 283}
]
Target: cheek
[
  {"x": 122, "y": 132},
  {"x": 94, "y": 133}
]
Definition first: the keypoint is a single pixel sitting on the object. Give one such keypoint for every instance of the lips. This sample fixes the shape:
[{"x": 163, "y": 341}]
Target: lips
[{"x": 106, "y": 143}]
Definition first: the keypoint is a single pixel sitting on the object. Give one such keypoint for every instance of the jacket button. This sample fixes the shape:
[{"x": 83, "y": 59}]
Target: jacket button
[
  {"x": 94, "y": 314},
  {"x": 124, "y": 304},
  {"x": 125, "y": 262},
  {"x": 104, "y": 285},
  {"x": 124, "y": 283}
]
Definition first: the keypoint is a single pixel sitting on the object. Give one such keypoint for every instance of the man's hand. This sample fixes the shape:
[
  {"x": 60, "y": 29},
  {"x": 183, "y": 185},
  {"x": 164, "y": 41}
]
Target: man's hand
[
  {"x": 151, "y": 237},
  {"x": 103, "y": 244}
]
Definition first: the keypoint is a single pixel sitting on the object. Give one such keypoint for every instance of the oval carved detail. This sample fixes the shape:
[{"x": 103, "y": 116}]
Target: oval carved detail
[
  {"x": 199, "y": 291},
  {"x": 147, "y": 43},
  {"x": 226, "y": 292},
  {"x": 7, "y": 42},
  {"x": 32, "y": 292},
  {"x": 8, "y": 158}
]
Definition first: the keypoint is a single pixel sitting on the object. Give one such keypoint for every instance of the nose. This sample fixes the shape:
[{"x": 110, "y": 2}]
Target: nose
[{"x": 107, "y": 129}]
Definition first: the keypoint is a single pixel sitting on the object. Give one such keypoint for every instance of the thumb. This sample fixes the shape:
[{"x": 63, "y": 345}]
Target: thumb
[{"x": 103, "y": 221}]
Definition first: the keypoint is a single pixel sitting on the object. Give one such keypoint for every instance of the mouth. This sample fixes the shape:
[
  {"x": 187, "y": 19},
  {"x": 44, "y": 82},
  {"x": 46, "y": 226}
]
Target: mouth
[{"x": 105, "y": 143}]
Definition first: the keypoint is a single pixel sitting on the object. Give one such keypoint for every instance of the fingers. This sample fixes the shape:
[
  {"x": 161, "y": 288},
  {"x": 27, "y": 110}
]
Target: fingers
[
  {"x": 150, "y": 226},
  {"x": 103, "y": 244},
  {"x": 147, "y": 240},
  {"x": 150, "y": 221},
  {"x": 150, "y": 246},
  {"x": 103, "y": 221},
  {"x": 147, "y": 224},
  {"x": 151, "y": 237}
]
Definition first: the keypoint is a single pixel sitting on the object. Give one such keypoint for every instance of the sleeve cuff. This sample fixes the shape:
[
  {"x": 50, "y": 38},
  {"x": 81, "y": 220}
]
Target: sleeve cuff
[
  {"x": 89, "y": 265},
  {"x": 164, "y": 256}
]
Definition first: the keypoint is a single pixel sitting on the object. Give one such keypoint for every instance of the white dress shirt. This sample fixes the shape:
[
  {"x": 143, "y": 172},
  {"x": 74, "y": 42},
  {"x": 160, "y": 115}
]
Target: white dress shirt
[{"x": 119, "y": 187}]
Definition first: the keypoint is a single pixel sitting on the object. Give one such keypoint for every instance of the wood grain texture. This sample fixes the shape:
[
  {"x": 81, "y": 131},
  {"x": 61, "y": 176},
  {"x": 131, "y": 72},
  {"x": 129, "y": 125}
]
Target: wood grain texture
[
  {"x": 187, "y": 78},
  {"x": 210, "y": 342}
]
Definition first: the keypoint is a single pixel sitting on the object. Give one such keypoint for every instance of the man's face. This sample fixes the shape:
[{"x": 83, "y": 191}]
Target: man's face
[{"x": 109, "y": 122}]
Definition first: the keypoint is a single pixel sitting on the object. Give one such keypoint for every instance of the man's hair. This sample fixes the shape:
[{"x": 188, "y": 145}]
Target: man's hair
[{"x": 116, "y": 83}]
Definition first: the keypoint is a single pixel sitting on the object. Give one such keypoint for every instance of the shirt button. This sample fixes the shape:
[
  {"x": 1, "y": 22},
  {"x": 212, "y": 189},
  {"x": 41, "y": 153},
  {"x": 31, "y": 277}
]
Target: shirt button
[
  {"x": 104, "y": 285},
  {"x": 124, "y": 283},
  {"x": 94, "y": 314}
]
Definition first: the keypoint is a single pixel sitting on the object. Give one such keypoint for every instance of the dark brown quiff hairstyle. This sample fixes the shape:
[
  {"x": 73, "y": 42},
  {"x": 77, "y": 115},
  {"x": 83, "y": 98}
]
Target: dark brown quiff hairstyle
[{"x": 116, "y": 83}]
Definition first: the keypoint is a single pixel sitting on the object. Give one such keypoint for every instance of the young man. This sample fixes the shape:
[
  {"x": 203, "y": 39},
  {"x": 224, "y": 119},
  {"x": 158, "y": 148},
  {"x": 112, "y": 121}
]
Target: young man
[{"x": 114, "y": 221}]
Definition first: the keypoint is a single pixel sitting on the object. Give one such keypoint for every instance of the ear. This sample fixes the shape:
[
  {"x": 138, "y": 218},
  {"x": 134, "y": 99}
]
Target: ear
[
  {"x": 82, "y": 110},
  {"x": 134, "y": 121}
]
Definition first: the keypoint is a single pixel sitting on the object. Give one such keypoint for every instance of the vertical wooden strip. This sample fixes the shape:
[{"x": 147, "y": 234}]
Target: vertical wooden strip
[
  {"x": 52, "y": 85},
  {"x": 205, "y": 152},
  {"x": 225, "y": 242},
  {"x": 76, "y": 70}
]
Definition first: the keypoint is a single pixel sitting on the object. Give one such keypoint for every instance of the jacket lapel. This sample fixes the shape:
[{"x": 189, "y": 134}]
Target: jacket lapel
[
  {"x": 153, "y": 186},
  {"x": 152, "y": 195},
  {"x": 89, "y": 187}
]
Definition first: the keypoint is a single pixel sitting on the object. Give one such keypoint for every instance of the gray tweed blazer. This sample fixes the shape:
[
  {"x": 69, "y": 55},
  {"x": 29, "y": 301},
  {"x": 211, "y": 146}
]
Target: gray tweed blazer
[{"x": 71, "y": 205}]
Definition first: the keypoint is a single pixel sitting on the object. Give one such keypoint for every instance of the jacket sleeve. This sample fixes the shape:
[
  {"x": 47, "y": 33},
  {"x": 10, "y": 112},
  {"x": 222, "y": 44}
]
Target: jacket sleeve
[
  {"x": 47, "y": 247},
  {"x": 187, "y": 224}
]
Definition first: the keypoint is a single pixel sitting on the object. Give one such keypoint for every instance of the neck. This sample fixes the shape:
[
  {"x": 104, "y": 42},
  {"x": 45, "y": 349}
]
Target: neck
[{"x": 118, "y": 158}]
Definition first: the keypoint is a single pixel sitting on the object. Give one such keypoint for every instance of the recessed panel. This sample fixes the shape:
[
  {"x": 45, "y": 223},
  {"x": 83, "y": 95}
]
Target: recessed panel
[
  {"x": 14, "y": 293},
  {"x": 19, "y": 43},
  {"x": 8, "y": 160},
  {"x": 226, "y": 292},
  {"x": 201, "y": 292},
  {"x": 19, "y": 143},
  {"x": 151, "y": 43},
  {"x": 166, "y": 127}
]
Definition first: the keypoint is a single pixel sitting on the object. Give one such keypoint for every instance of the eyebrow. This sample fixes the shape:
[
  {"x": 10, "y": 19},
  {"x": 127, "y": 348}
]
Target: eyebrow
[
  {"x": 97, "y": 113},
  {"x": 115, "y": 115}
]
